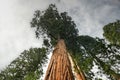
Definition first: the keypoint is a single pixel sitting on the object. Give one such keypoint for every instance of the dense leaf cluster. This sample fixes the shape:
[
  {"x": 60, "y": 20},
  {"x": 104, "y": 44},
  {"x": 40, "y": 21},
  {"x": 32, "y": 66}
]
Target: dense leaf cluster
[
  {"x": 56, "y": 25},
  {"x": 112, "y": 32}
]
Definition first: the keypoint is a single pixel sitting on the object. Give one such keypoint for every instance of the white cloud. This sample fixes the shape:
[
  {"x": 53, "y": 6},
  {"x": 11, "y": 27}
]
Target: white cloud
[
  {"x": 91, "y": 15},
  {"x": 15, "y": 32}
]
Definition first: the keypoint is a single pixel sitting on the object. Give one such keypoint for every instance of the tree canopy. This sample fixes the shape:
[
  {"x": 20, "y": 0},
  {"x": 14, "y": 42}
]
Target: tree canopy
[
  {"x": 28, "y": 66},
  {"x": 112, "y": 32},
  {"x": 105, "y": 56},
  {"x": 56, "y": 25}
]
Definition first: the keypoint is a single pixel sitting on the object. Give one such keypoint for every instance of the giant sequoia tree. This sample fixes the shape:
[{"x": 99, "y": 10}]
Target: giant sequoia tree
[
  {"x": 84, "y": 50},
  {"x": 60, "y": 28},
  {"x": 72, "y": 53}
]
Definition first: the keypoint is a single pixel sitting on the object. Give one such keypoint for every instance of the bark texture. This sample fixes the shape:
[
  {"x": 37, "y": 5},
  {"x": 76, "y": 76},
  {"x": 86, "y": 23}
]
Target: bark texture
[
  {"x": 60, "y": 67},
  {"x": 77, "y": 71}
]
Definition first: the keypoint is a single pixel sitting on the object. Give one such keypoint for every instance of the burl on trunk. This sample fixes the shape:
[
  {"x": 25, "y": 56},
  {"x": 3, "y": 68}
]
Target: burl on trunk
[{"x": 60, "y": 67}]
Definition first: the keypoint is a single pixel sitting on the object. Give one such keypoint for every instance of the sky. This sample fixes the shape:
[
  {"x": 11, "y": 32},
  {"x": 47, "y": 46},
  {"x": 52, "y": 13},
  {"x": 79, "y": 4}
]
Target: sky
[{"x": 15, "y": 16}]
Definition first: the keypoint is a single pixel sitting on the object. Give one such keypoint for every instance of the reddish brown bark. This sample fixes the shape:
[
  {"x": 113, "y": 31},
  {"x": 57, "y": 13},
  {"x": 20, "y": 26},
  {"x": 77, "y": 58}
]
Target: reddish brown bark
[
  {"x": 60, "y": 65},
  {"x": 76, "y": 70}
]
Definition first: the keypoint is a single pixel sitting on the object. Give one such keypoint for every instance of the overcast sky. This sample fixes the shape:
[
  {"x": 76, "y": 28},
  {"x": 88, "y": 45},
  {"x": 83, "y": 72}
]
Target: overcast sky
[{"x": 15, "y": 16}]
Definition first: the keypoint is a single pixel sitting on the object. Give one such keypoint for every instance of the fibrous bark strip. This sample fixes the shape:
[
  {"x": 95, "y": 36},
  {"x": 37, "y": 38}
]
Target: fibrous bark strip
[{"x": 60, "y": 67}]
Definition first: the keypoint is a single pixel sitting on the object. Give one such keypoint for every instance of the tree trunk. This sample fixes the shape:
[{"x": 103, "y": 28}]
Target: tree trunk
[{"x": 60, "y": 67}]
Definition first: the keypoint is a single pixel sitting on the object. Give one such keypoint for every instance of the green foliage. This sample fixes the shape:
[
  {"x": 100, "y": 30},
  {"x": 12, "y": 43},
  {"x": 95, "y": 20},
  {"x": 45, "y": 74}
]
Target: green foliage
[
  {"x": 46, "y": 42},
  {"x": 83, "y": 58},
  {"x": 87, "y": 42},
  {"x": 28, "y": 66},
  {"x": 56, "y": 25},
  {"x": 31, "y": 76},
  {"x": 106, "y": 59},
  {"x": 112, "y": 32},
  {"x": 95, "y": 50}
]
